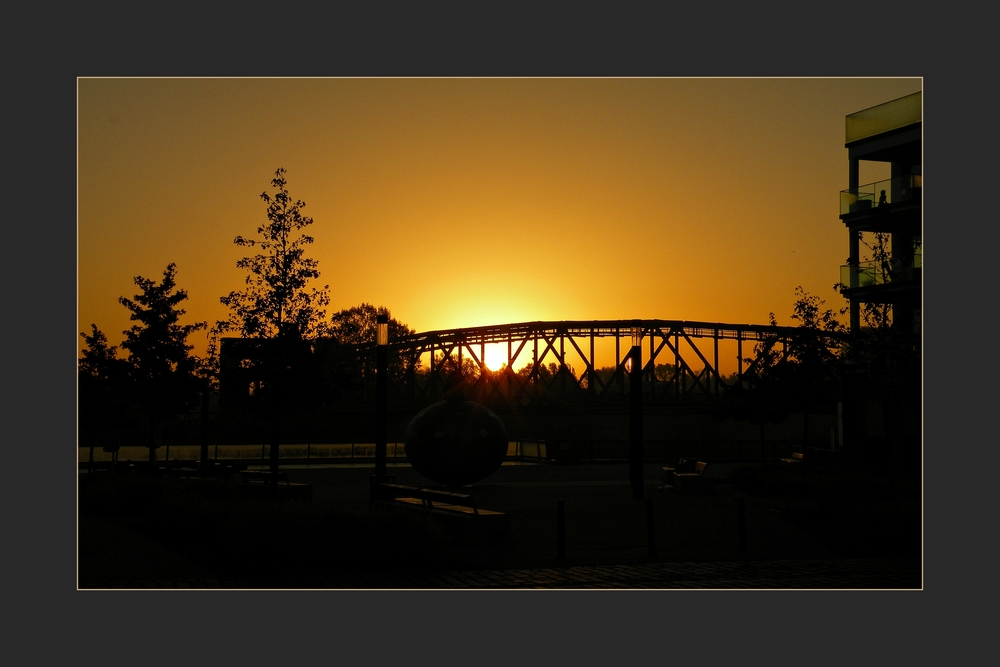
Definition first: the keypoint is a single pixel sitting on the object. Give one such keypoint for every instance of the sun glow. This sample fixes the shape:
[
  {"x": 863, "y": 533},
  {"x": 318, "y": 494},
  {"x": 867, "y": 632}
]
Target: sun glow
[{"x": 496, "y": 356}]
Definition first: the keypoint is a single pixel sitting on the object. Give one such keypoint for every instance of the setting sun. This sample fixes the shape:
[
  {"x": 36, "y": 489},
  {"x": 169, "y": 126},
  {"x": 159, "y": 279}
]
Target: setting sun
[{"x": 496, "y": 356}]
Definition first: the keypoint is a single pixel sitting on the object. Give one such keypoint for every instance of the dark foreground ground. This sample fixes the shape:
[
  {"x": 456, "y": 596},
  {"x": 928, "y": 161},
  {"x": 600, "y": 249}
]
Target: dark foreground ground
[{"x": 803, "y": 530}]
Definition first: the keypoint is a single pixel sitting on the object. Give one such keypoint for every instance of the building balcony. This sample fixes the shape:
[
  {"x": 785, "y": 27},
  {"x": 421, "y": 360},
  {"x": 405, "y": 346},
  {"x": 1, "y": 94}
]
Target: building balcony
[
  {"x": 885, "y": 117},
  {"x": 899, "y": 190},
  {"x": 870, "y": 274}
]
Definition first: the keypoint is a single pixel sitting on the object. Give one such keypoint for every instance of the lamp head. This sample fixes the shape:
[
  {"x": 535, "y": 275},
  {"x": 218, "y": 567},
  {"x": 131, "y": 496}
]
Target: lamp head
[{"x": 382, "y": 329}]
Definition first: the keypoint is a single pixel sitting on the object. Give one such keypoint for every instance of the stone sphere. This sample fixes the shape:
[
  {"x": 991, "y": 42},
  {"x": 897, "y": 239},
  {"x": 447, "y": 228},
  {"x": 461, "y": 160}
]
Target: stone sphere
[{"x": 456, "y": 442}]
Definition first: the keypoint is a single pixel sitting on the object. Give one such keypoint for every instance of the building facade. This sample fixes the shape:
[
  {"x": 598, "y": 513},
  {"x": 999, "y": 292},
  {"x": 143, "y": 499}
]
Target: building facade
[
  {"x": 882, "y": 280},
  {"x": 884, "y": 219}
]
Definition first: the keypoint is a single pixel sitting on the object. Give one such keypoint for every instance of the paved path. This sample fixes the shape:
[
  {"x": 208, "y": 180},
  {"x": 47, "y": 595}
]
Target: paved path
[
  {"x": 779, "y": 574},
  {"x": 696, "y": 542}
]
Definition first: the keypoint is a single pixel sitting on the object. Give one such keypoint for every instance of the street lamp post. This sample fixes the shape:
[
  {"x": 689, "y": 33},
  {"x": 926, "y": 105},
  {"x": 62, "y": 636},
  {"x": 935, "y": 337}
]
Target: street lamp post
[
  {"x": 381, "y": 392},
  {"x": 635, "y": 412}
]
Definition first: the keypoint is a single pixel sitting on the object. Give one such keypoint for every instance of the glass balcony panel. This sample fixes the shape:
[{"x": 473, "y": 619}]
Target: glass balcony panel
[
  {"x": 867, "y": 274},
  {"x": 867, "y": 197},
  {"x": 884, "y": 117}
]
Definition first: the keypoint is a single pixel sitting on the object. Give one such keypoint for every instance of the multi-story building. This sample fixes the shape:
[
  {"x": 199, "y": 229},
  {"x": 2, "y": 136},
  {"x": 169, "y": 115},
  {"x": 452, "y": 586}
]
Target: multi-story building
[
  {"x": 884, "y": 218},
  {"x": 882, "y": 281}
]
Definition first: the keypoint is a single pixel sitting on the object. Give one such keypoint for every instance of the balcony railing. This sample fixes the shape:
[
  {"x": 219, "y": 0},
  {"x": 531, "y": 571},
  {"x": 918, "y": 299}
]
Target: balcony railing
[
  {"x": 867, "y": 274},
  {"x": 866, "y": 197}
]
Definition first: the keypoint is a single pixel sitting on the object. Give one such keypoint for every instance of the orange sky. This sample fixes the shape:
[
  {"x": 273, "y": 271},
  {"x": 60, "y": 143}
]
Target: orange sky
[{"x": 462, "y": 202}]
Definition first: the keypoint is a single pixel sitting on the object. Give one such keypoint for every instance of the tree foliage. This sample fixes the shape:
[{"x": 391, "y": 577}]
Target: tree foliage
[
  {"x": 102, "y": 386},
  {"x": 875, "y": 268},
  {"x": 157, "y": 344},
  {"x": 277, "y": 300},
  {"x": 357, "y": 325},
  {"x": 877, "y": 317},
  {"x": 795, "y": 372},
  {"x": 162, "y": 371},
  {"x": 158, "y": 379},
  {"x": 809, "y": 350},
  {"x": 99, "y": 361}
]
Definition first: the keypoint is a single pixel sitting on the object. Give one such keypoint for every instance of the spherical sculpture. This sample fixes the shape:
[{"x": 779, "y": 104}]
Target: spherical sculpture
[{"x": 456, "y": 442}]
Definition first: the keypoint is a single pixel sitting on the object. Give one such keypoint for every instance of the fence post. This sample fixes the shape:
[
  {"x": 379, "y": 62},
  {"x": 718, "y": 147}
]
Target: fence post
[
  {"x": 650, "y": 531},
  {"x": 561, "y": 528},
  {"x": 741, "y": 518}
]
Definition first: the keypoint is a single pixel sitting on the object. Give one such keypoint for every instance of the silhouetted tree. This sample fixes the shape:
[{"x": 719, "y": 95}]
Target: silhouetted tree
[
  {"x": 102, "y": 391},
  {"x": 277, "y": 304},
  {"x": 875, "y": 268},
  {"x": 762, "y": 397},
  {"x": 878, "y": 315},
  {"x": 356, "y": 326},
  {"x": 161, "y": 365},
  {"x": 796, "y": 373},
  {"x": 814, "y": 358},
  {"x": 277, "y": 301},
  {"x": 665, "y": 372},
  {"x": 100, "y": 361}
]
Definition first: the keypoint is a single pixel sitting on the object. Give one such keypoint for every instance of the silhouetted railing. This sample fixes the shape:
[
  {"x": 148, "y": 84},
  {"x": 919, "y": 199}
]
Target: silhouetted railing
[
  {"x": 866, "y": 274},
  {"x": 524, "y": 450},
  {"x": 657, "y": 450},
  {"x": 904, "y": 188}
]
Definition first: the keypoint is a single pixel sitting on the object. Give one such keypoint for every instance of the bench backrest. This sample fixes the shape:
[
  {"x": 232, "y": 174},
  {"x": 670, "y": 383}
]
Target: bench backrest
[
  {"x": 428, "y": 496},
  {"x": 448, "y": 498},
  {"x": 686, "y": 465}
]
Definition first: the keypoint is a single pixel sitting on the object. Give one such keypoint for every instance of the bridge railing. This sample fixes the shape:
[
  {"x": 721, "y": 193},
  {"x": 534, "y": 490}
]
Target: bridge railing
[{"x": 695, "y": 367}]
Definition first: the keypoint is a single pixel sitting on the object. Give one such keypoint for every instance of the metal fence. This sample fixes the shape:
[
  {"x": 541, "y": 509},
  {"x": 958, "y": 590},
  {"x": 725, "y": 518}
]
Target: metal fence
[
  {"x": 573, "y": 451},
  {"x": 542, "y": 451}
]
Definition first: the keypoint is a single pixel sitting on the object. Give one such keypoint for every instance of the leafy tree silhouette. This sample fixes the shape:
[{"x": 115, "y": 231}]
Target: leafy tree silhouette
[
  {"x": 796, "y": 373},
  {"x": 875, "y": 268},
  {"x": 161, "y": 365},
  {"x": 357, "y": 326},
  {"x": 277, "y": 304},
  {"x": 815, "y": 360},
  {"x": 101, "y": 389},
  {"x": 762, "y": 397}
]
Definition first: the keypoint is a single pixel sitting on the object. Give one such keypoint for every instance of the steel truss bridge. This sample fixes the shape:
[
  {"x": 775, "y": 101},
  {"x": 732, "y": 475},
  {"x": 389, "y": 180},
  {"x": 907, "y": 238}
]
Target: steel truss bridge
[{"x": 695, "y": 373}]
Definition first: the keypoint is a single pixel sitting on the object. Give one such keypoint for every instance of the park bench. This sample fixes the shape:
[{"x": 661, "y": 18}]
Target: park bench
[
  {"x": 185, "y": 471},
  {"x": 258, "y": 483},
  {"x": 796, "y": 457},
  {"x": 692, "y": 481},
  {"x": 683, "y": 466},
  {"x": 257, "y": 476},
  {"x": 432, "y": 499},
  {"x": 457, "y": 512},
  {"x": 217, "y": 468}
]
